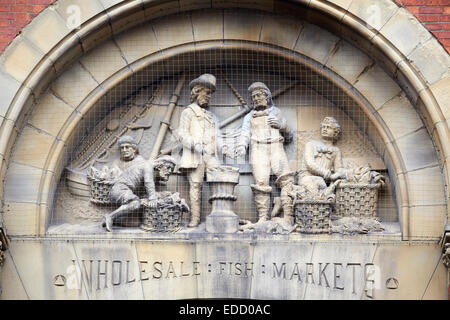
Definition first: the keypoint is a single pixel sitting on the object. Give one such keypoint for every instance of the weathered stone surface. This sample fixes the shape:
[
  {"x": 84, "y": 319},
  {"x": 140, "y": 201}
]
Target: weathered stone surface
[
  {"x": 155, "y": 9},
  {"x": 186, "y": 5},
  {"x": 20, "y": 58},
  {"x": 431, "y": 60},
  {"x": 50, "y": 114},
  {"x": 377, "y": 86},
  {"x": 10, "y": 279},
  {"x": 316, "y": 43},
  {"x": 405, "y": 31},
  {"x": 22, "y": 183},
  {"x": 282, "y": 31},
  {"x": 400, "y": 116},
  {"x": 427, "y": 222},
  {"x": 442, "y": 95},
  {"x": 137, "y": 43},
  {"x": 426, "y": 187},
  {"x": 87, "y": 9},
  {"x": 178, "y": 274},
  {"x": 21, "y": 218},
  {"x": 74, "y": 85},
  {"x": 437, "y": 284},
  {"x": 33, "y": 147},
  {"x": 376, "y": 14},
  {"x": 417, "y": 150},
  {"x": 242, "y": 25},
  {"x": 109, "y": 3},
  {"x": 38, "y": 30},
  {"x": 347, "y": 61},
  {"x": 179, "y": 32},
  {"x": 10, "y": 87},
  {"x": 207, "y": 25}
]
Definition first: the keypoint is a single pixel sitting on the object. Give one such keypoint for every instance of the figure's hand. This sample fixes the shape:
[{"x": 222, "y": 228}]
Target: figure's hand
[
  {"x": 198, "y": 148},
  {"x": 274, "y": 122},
  {"x": 240, "y": 151},
  {"x": 337, "y": 175},
  {"x": 152, "y": 203}
]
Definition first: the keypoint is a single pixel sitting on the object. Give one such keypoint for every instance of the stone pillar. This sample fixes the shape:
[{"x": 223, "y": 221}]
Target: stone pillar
[{"x": 222, "y": 181}]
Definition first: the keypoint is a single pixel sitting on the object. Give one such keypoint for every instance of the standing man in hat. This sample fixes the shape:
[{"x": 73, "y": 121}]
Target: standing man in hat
[
  {"x": 264, "y": 129},
  {"x": 198, "y": 134}
]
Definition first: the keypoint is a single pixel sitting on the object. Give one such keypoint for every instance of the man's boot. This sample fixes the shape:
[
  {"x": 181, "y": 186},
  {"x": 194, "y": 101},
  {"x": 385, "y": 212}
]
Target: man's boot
[
  {"x": 262, "y": 201},
  {"x": 195, "y": 196},
  {"x": 285, "y": 182}
]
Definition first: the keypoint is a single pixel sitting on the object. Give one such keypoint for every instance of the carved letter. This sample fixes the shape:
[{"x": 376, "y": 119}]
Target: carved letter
[
  {"x": 222, "y": 266},
  {"x": 353, "y": 277},
  {"x": 158, "y": 270},
  {"x": 195, "y": 265},
  {"x": 102, "y": 274},
  {"x": 337, "y": 276},
  {"x": 181, "y": 270},
  {"x": 128, "y": 268},
  {"x": 309, "y": 272},
  {"x": 249, "y": 269},
  {"x": 170, "y": 270},
  {"x": 120, "y": 272},
  {"x": 322, "y": 273},
  {"x": 142, "y": 270},
  {"x": 296, "y": 272},
  {"x": 238, "y": 271},
  {"x": 278, "y": 272}
]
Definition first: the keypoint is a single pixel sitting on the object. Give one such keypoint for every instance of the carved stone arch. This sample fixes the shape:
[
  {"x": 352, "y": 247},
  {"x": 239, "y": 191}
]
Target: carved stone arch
[{"x": 49, "y": 58}]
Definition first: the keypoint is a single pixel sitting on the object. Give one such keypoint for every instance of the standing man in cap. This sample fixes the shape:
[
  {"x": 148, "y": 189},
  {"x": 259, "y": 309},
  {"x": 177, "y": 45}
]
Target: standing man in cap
[
  {"x": 198, "y": 134},
  {"x": 264, "y": 129}
]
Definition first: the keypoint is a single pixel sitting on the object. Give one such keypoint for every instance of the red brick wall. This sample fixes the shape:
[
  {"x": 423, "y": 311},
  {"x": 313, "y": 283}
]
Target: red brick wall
[
  {"x": 434, "y": 14},
  {"x": 15, "y": 14}
]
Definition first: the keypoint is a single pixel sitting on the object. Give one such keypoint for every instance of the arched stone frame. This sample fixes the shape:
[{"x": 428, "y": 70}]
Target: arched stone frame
[{"x": 39, "y": 69}]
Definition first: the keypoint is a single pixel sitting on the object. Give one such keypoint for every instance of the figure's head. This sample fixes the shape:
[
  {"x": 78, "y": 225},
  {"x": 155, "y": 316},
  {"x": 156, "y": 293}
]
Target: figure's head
[
  {"x": 202, "y": 88},
  {"x": 128, "y": 148},
  {"x": 164, "y": 167},
  {"x": 330, "y": 128},
  {"x": 261, "y": 95}
]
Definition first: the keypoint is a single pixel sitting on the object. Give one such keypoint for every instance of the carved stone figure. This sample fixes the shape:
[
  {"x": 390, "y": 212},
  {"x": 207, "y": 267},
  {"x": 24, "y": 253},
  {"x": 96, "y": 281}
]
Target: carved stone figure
[
  {"x": 264, "y": 130},
  {"x": 163, "y": 167},
  {"x": 198, "y": 134},
  {"x": 137, "y": 172},
  {"x": 322, "y": 160}
]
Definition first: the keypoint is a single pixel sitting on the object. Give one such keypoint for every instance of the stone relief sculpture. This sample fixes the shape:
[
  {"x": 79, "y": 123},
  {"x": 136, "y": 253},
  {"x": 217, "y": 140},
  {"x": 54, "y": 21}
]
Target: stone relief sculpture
[
  {"x": 263, "y": 132},
  {"x": 198, "y": 135}
]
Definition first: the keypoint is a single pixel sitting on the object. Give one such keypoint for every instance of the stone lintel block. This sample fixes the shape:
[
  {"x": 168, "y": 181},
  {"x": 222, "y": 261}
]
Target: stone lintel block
[
  {"x": 158, "y": 8},
  {"x": 441, "y": 93},
  {"x": 172, "y": 31},
  {"x": 426, "y": 187},
  {"x": 32, "y": 147},
  {"x": 407, "y": 261},
  {"x": 40, "y": 81},
  {"x": 281, "y": 30},
  {"x": 46, "y": 29},
  {"x": 266, "y": 5},
  {"x": 405, "y": 31},
  {"x": 207, "y": 25},
  {"x": 87, "y": 9},
  {"x": 9, "y": 86},
  {"x": 431, "y": 60},
  {"x": 178, "y": 265},
  {"x": 137, "y": 43},
  {"x": 20, "y": 58},
  {"x": 12, "y": 286},
  {"x": 66, "y": 53},
  {"x": 74, "y": 85},
  {"x": 417, "y": 150},
  {"x": 427, "y": 222},
  {"x": 400, "y": 116},
  {"x": 187, "y": 5},
  {"x": 21, "y": 218},
  {"x": 375, "y": 14},
  {"x": 126, "y": 16},
  {"x": 316, "y": 43},
  {"x": 376, "y": 86},
  {"x": 242, "y": 25},
  {"x": 22, "y": 183},
  {"x": 50, "y": 114},
  {"x": 104, "y": 61},
  {"x": 348, "y": 61}
]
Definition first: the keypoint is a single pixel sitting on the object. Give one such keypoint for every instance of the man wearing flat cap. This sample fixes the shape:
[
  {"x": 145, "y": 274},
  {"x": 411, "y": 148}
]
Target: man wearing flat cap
[
  {"x": 264, "y": 130},
  {"x": 198, "y": 134}
]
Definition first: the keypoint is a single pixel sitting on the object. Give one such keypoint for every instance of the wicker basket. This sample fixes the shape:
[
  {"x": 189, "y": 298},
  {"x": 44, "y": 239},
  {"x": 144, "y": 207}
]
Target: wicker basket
[
  {"x": 99, "y": 191},
  {"x": 165, "y": 218},
  {"x": 356, "y": 200},
  {"x": 313, "y": 216}
]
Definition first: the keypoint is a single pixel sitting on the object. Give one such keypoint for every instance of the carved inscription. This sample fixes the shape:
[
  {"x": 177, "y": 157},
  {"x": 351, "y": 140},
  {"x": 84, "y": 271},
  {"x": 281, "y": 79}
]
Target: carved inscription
[{"x": 101, "y": 274}]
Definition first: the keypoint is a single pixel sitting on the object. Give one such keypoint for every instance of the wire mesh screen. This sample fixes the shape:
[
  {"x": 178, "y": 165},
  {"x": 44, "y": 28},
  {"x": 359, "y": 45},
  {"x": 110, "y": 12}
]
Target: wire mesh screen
[{"x": 132, "y": 169}]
